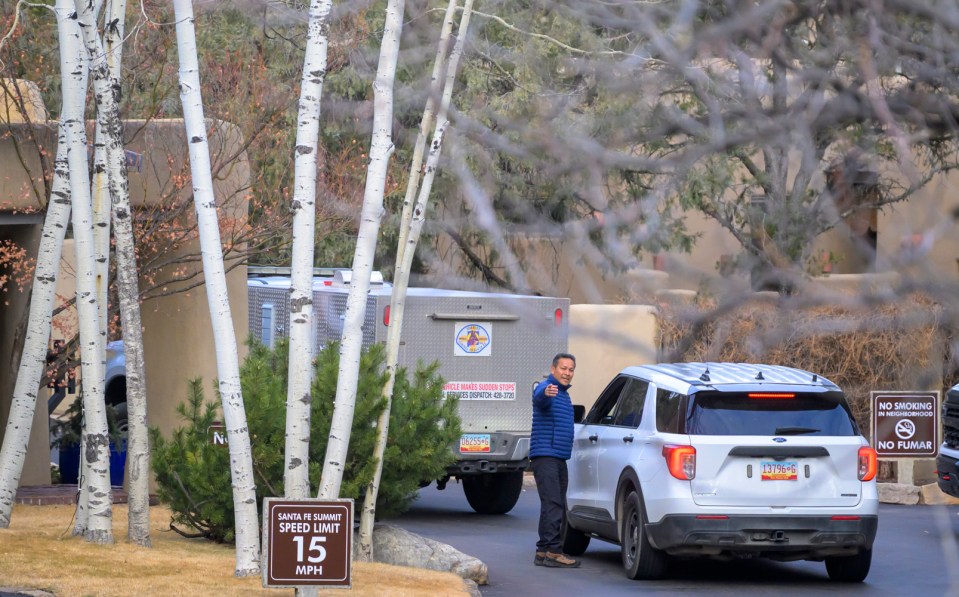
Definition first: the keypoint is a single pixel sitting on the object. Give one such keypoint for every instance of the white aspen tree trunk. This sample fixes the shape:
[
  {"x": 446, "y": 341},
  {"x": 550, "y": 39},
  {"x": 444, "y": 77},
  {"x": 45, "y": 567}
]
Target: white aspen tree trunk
[
  {"x": 381, "y": 148},
  {"x": 411, "y": 229},
  {"x": 224, "y": 335},
  {"x": 138, "y": 442},
  {"x": 101, "y": 229},
  {"x": 94, "y": 516},
  {"x": 429, "y": 115},
  {"x": 296, "y": 478},
  {"x": 106, "y": 91},
  {"x": 113, "y": 36},
  {"x": 42, "y": 297}
]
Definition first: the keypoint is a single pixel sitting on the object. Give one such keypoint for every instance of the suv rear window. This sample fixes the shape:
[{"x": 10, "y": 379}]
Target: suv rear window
[{"x": 769, "y": 413}]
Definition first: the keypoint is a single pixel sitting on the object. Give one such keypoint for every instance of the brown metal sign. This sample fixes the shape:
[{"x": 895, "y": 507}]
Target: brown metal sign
[
  {"x": 307, "y": 543},
  {"x": 905, "y": 424},
  {"x": 217, "y": 434}
]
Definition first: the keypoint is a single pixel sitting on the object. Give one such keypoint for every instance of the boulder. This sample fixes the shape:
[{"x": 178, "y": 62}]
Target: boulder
[
  {"x": 393, "y": 545},
  {"x": 931, "y": 494},
  {"x": 898, "y": 493}
]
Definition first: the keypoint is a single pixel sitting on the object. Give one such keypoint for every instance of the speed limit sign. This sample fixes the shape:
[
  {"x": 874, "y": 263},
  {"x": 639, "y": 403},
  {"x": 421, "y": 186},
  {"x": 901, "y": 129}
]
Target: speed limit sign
[{"x": 307, "y": 543}]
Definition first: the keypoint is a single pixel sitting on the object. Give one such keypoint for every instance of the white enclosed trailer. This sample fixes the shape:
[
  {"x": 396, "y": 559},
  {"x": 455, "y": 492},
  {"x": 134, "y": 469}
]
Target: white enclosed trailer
[{"x": 492, "y": 349}]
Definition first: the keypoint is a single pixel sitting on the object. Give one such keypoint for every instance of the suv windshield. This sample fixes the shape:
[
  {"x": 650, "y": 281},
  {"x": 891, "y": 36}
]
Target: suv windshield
[{"x": 769, "y": 413}]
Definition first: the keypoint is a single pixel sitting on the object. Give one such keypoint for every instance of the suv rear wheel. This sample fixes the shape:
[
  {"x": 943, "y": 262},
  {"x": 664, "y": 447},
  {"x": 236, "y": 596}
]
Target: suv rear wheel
[
  {"x": 849, "y": 568},
  {"x": 640, "y": 559}
]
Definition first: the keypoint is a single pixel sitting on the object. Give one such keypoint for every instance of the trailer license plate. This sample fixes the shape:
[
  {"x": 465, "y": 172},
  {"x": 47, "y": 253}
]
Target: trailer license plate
[
  {"x": 474, "y": 442},
  {"x": 779, "y": 471}
]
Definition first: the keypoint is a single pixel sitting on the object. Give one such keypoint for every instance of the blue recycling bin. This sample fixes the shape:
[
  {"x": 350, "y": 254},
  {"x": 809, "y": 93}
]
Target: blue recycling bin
[{"x": 70, "y": 463}]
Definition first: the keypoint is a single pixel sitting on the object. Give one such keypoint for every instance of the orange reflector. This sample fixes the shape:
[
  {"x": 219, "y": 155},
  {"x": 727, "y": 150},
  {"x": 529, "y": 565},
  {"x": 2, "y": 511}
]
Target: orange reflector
[{"x": 771, "y": 395}]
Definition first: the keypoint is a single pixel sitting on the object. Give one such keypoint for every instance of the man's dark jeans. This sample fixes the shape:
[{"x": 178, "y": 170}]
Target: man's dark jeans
[{"x": 552, "y": 480}]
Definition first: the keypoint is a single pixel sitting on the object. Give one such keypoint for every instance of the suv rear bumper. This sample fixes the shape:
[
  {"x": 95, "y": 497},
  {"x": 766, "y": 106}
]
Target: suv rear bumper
[
  {"x": 793, "y": 537},
  {"x": 947, "y": 470}
]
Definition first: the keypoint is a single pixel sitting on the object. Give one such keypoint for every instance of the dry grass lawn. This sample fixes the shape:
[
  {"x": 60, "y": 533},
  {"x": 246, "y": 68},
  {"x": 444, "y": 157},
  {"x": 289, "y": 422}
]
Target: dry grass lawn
[{"x": 38, "y": 552}]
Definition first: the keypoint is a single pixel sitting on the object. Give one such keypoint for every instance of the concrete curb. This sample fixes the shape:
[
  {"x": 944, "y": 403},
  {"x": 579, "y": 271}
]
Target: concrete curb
[
  {"x": 528, "y": 481},
  {"x": 22, "y": 592}
]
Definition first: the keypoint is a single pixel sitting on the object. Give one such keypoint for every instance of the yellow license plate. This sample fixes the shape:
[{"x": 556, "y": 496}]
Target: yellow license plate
[
  {"x": 779, "y": 471},
  {"x": 472, "y": 443}
]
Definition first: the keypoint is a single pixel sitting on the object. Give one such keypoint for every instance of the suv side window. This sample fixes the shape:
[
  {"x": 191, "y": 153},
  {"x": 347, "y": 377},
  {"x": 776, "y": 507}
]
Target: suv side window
[
  {"x": 602, "y": 411},
  {"x": 629, "y": 413},
  {"x": 667, "y": 411}
]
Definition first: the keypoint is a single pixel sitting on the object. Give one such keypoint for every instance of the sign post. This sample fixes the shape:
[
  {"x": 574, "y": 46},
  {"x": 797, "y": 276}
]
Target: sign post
[
  {"x": 307, "y": 543},
  {"x": 905, "y": 424}
]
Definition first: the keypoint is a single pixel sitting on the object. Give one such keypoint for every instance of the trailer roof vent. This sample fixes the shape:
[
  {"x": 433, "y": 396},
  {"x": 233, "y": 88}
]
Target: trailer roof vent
[{"x": 344, "y": 276}]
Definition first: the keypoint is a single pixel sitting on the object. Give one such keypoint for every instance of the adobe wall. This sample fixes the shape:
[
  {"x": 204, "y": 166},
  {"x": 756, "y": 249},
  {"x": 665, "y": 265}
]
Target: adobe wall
[
  {"x": 177, "y": 329},
  {"x": 13, "y": 313},
  {"x": 605, "y": 339},
  {"x": 178, "y": 341}
]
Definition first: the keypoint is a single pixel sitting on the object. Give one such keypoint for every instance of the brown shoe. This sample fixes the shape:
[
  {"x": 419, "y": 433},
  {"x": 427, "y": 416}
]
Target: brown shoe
[
  {"x": 559, "y": 560},
  {"x": 540, "y": 558}
]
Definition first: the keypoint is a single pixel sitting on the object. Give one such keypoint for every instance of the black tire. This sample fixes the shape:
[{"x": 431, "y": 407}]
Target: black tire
[
  {"x": 574, "y": 542},
  {"x": 120, "y": 410},
  {"x": 849, "y": 568},
  {"x": 641, "y": 560},
  {"x": 494, "y": 493}
]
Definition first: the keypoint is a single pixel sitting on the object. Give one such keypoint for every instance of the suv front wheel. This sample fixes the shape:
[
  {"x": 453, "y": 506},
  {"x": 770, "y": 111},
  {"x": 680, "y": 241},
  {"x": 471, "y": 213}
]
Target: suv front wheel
[{"x": 640, "y": 559}]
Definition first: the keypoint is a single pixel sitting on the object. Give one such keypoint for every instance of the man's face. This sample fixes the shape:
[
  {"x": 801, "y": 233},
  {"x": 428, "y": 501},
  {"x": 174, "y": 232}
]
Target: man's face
[{"x": 563, "y": 371}]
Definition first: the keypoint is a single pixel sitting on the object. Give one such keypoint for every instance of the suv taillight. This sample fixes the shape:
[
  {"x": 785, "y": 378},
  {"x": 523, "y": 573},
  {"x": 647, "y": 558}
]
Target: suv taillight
[
  {"x": 868, "y": 464},
  {"x": 681, "y": 461}
]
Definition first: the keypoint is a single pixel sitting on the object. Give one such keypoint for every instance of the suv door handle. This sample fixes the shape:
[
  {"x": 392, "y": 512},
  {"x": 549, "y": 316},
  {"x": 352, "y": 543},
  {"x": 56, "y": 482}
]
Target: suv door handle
[
  {"x": 627, "y": 439},
  {"x": 594, "y": 438}
]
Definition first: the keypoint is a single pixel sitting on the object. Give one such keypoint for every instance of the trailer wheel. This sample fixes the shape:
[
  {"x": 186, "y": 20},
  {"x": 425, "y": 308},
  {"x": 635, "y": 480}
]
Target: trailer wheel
[{"x": 494, "y": 493}]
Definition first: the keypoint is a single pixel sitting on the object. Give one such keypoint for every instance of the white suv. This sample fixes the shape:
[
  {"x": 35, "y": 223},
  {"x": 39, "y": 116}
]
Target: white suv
[{"x": 723, "y": 460}]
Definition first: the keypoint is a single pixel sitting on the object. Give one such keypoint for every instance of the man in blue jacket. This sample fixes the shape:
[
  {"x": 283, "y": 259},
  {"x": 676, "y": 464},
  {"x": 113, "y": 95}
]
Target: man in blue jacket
[{"x": 551, "y": 444}]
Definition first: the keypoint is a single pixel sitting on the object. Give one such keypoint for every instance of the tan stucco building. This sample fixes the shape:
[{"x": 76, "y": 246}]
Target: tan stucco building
[{"x": 176, "y": 322}]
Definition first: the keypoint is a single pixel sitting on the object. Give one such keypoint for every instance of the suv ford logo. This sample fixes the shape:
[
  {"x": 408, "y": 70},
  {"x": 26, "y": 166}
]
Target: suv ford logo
[{"x": 779, "y": 440}]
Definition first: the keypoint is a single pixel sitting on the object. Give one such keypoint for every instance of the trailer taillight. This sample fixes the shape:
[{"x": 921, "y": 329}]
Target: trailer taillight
[
  {"x": 558, "y": 317},
  {"x": 386, "y": 315}
]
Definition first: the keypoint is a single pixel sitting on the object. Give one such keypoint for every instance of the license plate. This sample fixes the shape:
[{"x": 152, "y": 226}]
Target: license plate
[
  {"x": 779, "y": 471},
  {"x": 472, "y": 443}
]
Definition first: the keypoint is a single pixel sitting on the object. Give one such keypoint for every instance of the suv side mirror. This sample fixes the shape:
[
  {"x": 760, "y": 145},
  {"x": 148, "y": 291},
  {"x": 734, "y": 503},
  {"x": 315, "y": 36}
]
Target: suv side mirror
[{"x": 579, "y": 413}]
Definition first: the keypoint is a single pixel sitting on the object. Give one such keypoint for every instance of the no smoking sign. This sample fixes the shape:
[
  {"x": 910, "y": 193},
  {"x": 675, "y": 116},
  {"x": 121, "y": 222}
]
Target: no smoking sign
[{"x": 905, "y": 424}]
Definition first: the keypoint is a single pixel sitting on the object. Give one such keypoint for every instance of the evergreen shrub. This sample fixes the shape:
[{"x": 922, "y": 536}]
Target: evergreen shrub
[{"x": 193, "y": 474}]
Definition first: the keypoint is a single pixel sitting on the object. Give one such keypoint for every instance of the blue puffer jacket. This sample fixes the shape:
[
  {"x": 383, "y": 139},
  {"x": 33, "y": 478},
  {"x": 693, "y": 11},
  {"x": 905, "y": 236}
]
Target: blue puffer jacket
[{"x": 552, "y": 422}]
